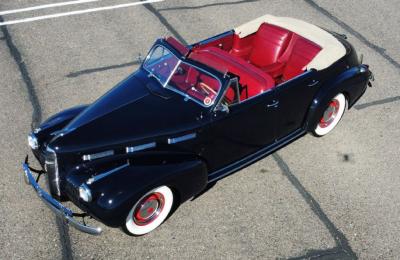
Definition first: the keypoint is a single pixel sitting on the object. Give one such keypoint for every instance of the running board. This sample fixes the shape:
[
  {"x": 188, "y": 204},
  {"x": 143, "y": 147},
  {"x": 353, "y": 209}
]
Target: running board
[{"x": 250, "y": 159}]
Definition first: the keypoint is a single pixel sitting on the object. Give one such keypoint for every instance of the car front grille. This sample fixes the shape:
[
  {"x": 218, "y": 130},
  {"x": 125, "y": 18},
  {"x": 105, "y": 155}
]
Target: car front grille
[{"x": 51, "y": 167}]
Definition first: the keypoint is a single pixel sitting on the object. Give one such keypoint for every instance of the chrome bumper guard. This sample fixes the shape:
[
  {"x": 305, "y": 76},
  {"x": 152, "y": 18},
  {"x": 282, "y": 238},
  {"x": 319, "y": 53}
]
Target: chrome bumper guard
[{"x": 60, "y": 210}]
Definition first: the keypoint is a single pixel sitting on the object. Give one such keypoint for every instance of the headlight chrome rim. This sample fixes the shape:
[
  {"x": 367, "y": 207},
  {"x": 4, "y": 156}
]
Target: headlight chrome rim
[
  {"x": 32, "y": 141},
  {"x": 84, "y": 193}
]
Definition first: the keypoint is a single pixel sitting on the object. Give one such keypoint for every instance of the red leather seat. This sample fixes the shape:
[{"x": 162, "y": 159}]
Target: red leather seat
[
  {"x": 269, "y": 44},
  {"x": 182, "y": 49},
  {"x": 256, "y": 80},
  {"x": 300, "y": 53}
]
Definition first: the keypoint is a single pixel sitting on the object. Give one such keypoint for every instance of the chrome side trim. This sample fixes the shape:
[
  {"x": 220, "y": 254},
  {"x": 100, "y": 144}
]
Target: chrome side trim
[
  {"x": 140, "y": 147},
  {"x": 105, "y": 174},
  {"x": 88, "y": 157},
  {"x": 60, "y": 210},
  {"x": 181, "y": 138}
]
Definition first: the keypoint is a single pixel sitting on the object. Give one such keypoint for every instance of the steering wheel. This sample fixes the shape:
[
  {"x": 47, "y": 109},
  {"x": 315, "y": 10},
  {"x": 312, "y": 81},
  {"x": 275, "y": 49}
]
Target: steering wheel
[{"x": 206, "y": 88}]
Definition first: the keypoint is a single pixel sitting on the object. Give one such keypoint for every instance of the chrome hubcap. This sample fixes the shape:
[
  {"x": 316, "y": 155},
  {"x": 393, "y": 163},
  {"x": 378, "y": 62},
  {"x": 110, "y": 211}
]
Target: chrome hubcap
[
  {"x": 148, "y": 209},
  {"x": 330, "y": 114}
]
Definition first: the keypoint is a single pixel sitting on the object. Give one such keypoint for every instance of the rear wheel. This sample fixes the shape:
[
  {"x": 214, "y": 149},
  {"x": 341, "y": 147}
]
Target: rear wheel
[
  {"x": 332, "y": 115},
  {"x": 149, "y": 211}
]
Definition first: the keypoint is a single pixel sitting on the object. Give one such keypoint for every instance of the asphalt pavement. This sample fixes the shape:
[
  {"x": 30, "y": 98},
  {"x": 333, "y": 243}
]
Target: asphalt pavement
[{"x": 334, "y": 197}]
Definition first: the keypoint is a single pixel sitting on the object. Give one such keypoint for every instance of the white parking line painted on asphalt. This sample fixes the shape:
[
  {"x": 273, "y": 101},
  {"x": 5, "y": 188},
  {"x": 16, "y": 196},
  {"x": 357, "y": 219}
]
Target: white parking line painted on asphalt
[
  {"x": 91, "y": 10},
  {"x": 38, "y": 7}
]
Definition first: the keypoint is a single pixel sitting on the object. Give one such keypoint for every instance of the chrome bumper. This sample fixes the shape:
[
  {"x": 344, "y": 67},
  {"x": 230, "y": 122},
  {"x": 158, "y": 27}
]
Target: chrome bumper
[{"x": 60, "y": 211}]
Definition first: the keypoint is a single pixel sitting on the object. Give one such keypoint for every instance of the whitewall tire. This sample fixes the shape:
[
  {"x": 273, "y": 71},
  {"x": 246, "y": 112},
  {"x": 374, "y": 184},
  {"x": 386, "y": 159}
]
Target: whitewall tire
[
  {"x": 332, "y": 115},
  {"x": 149, "y": 211}
]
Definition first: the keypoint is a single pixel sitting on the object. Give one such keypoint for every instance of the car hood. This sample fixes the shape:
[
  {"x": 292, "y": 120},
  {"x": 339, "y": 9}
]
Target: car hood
[{"x": 138, "y": 109}]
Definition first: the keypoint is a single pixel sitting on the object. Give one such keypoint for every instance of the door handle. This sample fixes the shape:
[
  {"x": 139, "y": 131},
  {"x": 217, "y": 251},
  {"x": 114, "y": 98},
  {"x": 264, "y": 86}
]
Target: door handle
[
  {"x": 313, "y": 83},
  {"x": 274, "y": 103}
]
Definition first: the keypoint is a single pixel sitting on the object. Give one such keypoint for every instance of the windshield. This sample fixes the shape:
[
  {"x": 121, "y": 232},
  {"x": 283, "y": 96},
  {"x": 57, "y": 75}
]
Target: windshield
[{"x": 182, "y": 77}]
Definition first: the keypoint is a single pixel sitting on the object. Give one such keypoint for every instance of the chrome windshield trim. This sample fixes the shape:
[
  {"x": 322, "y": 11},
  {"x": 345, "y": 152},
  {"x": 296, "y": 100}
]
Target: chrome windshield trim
[
  {"x": 152, "y": 73},
  {"x": 172, "y": 73},
  {"x": 141, "y": 147},
  {"x": 105, "y": 174},
  {"x": 193, "y": 99},
  {"x": 181, "y": 138},
  {"x": 186, "y": 96}
]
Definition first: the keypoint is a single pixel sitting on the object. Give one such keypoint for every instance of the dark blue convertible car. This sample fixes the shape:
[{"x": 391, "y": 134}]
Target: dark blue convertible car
[{"x": 191, "y": 115}]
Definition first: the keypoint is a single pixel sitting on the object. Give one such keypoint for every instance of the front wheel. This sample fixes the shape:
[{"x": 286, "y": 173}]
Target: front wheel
[
  {"x": 149, "y": 211},
  {"x": 332, "y": 115}
]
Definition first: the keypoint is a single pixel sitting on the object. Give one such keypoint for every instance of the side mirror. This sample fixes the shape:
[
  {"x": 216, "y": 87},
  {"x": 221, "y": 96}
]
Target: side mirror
[{"x": 222, "y": 108}]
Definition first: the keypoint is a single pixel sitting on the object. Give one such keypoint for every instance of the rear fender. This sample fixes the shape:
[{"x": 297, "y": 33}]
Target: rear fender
[{"x": 352, "y": 83}]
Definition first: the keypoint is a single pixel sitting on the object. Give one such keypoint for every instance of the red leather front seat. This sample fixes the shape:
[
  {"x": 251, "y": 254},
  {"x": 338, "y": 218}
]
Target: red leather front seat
[
  {"x": 256, "y": 80},
  {"x": 269, "y": 44},
  {"x": 182, "y": 49}
]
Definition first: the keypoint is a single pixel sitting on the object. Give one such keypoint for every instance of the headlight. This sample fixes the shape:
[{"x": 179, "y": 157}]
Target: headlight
[
  {"x": 84, "y": 193},
  {"x": 33, "y": 142}
]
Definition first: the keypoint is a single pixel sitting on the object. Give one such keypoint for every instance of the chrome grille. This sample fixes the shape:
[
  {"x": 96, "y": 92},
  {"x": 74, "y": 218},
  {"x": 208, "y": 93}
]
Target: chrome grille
[{"x": 51, "y": 167}]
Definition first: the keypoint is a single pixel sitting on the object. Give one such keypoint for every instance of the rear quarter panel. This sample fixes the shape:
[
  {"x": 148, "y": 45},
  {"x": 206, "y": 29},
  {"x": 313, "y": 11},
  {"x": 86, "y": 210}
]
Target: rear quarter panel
[{"x": 352, "y": 83}]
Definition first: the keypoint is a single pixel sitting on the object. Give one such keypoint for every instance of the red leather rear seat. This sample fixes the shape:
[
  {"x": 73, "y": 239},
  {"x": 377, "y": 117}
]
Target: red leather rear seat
[
  {"x": 277, "y": 51},
  {"x": 300, "y": 53},
  {"x": 269, "y": 44},
  {"x": 256, "y": 80}
]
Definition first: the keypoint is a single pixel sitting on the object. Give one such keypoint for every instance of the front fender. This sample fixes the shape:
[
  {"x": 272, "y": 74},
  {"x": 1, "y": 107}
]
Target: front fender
[
  {"x": 58, "y": 121},
  {"x": 352, "y": 83},
  {"x": 115, "y": 195}
]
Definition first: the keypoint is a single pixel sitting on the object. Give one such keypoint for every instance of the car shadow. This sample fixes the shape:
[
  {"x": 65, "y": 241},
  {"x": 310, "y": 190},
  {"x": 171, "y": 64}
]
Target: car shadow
[
  {"x": 377, "y": 102},
  {"x": 166, "y": 24},
  {"x": 94, "y": 70},
  {"x": 342, "y": 249}
]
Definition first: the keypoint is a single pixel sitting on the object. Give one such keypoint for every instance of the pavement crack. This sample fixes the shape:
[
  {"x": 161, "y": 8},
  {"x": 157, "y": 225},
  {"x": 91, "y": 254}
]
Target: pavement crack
[
  {"x": 36, "y": 119},
  {"x": 208, "y": 5},
  {"x": 33, "y": 98},
  {"x": 377, "y": 102},
  {"x": 94, "y": 70},
  {"x": 165, "y": 22},
  {"x": 340, "y": 239},
  {"x": 63, "y": 231},
  {"x": 331, "y": 253},
  {"x": 381, "y": 51}
]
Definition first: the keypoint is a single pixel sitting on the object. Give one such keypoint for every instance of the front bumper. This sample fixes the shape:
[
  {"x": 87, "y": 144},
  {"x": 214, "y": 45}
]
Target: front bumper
[{"x": 60, "y": 210}]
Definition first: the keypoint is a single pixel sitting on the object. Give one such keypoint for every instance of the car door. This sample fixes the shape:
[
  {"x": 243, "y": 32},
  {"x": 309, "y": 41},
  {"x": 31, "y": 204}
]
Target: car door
[
  {"x": 295, "y": 97},
  {"x": 247, "y": 127}
]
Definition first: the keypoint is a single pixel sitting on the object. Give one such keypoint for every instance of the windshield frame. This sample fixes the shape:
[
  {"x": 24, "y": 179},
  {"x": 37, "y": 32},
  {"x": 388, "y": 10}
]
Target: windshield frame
[{"x": 182, "y": 59}]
